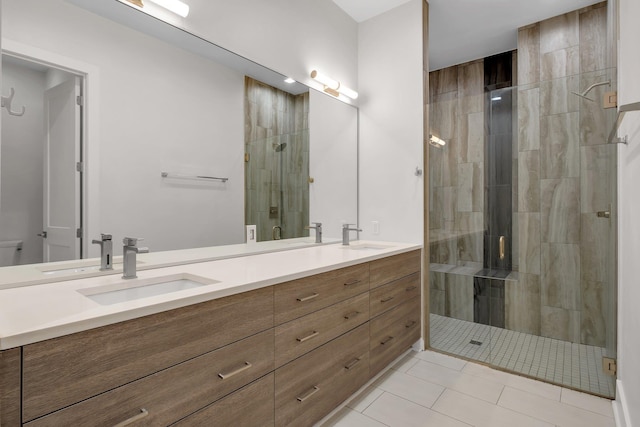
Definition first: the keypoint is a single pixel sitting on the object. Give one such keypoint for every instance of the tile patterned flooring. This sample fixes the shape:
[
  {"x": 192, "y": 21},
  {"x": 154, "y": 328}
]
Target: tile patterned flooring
[
  {"x": 568, "y": 364},
  {"x": 431, "y": 389}
]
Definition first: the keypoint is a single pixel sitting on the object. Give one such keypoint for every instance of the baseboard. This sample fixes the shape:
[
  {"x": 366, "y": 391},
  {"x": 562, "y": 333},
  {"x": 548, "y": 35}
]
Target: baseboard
[
  {"x": 418, "y": 346},
  {"x": 621, "y": 408}
]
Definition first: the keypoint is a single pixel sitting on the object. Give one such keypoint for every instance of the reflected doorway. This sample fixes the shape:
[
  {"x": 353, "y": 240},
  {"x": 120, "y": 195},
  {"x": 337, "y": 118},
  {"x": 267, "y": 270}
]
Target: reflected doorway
[{"x": 41, "y": 169}]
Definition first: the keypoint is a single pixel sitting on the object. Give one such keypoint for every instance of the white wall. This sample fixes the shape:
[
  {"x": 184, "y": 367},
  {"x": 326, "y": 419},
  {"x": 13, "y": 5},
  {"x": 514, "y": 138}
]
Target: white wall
[
  {"x": 292, "y": 37},
  {"x": 333, "y": 160},
  {"x": 162, "y": 109},
  {"x": 391, "y": 134},
  {"x": 628, "y": 390},
  {"x": 22, "y": 176}
]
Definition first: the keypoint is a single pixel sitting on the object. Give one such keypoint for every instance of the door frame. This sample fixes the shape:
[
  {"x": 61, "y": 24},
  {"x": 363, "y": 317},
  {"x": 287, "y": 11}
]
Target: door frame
[{"x": 89, "y": 132}]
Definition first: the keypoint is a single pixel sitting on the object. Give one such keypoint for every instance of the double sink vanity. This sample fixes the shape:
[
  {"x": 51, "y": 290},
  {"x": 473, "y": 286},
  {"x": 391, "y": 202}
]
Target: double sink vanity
[{"x": 276, "y": 338}]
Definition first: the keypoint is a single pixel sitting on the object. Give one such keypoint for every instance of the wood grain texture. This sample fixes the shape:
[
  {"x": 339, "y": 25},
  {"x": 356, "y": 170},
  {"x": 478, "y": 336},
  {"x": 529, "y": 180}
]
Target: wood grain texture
[
  {"x": 392, "y": 294},
  {"x": 394, "y": 267},
  {"x": 324, "y": 368},
  {"x": 174, "y": 393},
  {"x": 324, "y": 325},
  {"x": 251, "y": 406},
  {"x": 10, "y": 387},
  {"x": 331, "y": 287},
  {"x": 392, "y": 333},
  {"x": 98, "y": 360}
]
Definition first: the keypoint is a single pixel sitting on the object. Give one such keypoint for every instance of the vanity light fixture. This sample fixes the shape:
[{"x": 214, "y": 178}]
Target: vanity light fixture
[
  {"x": 289, "y": 80},
  {"x": 333, "y": 87},
  {"x": 175, "y": 6},
  {"x": 436, "y": 142}
]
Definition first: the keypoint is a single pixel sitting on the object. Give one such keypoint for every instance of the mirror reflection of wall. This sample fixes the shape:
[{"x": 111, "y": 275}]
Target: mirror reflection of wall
[
  {"x": 276, "y": 161},
  {"x": 154, "y": 106}
]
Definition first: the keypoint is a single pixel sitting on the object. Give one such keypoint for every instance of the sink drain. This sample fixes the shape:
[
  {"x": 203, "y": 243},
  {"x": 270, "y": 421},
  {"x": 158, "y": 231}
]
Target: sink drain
[{"x": 474, "y": 342}]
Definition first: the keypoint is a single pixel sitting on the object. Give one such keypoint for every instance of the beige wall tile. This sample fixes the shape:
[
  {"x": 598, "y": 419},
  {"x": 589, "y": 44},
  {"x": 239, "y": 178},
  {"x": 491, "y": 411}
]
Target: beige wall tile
[
  {"x": 559, "y": 146},
  {"x": 560, "y": 275},
  {"x": 529, "y": 55},
  {"x": 560, "y": 210},
  {"x": 560, "y": 63},
  {"x": 459, "y": 296},
  {"x": 529, "y": 181},
  {"x": 559, "y": 32},
  {"x": 522, "y": 304},
  {"x": 595, "y": 307},
  {"x": 529, "y": 238},
  {"x": 560, "y": 323},
  {"x": 529, "y": 119},
  {"x": 593, "y": 39}
]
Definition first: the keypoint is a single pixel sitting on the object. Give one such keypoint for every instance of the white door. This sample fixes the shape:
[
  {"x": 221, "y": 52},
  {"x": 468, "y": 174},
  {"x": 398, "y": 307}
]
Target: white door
[{"x": 61, "y": 178}]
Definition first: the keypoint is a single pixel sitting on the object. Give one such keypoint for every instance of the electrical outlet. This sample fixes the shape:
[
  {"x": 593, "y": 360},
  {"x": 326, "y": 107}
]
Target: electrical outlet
[
  {"x": 376, "y": 227},
  {"x": 251, "y": 234}
]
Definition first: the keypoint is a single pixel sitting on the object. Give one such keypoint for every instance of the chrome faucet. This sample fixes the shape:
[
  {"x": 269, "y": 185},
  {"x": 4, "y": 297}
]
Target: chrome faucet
[
  {"x": 106, "y": 251},
  {"x": 318, "y": 228},
  {"x": 345, "y": 233},
  {"x": 129, "y": 251}
]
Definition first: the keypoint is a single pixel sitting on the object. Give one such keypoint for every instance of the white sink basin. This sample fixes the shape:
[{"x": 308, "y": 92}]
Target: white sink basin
[
  {"x": 366, "y": 247},
  {"x": 129, "y": 290}
]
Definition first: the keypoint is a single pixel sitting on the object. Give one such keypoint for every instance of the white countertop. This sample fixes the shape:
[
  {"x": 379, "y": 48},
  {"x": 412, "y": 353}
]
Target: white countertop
[
  {"x": 33, "y": 274},
  {"x": 35, "y": 313}
]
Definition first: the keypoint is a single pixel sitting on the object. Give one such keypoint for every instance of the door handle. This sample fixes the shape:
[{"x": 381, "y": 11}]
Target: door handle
[{"x": 43, "y": 234}]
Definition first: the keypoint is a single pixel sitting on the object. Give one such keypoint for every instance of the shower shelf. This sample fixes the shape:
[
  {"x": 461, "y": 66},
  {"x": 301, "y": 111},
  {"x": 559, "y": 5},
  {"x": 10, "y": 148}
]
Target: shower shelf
[{"x": 621, "y": 112}]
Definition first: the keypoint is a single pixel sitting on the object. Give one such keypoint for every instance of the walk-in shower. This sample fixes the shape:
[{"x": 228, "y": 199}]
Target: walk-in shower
[{"x": 522, "y": 207}]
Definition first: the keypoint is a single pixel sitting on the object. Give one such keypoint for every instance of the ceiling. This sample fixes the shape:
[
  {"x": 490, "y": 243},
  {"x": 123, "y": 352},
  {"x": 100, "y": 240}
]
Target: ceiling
[{"x": 464, "y": 30}]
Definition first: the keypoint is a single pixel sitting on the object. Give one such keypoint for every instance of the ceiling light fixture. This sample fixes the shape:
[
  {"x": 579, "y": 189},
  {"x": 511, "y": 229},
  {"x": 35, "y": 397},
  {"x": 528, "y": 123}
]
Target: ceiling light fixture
[
  {"x": 175, "y": 6},
  {"x": 333, "y": 87},
  {"x": 289, "y": 80}
]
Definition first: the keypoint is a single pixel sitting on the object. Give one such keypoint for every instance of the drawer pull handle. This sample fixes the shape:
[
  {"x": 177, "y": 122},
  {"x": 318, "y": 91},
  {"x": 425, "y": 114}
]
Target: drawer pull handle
[
  {"x": 353, "y": 282},
  {"x": 411, "y": 288},
  {"x": 353, "y": 363},
  {"x": 307, "y": 298},
  {"x": 143, "y": 413},
  {"x": 308, "y": 337},
  {"x": 244, "y": 367},
  {"x": 410, "y": 324},
  {"x": 387, "y": 299},
  {"x": 351, "y": 315},
  {"x": 308, "y": 394},
  {"x": 386, "y": 340}
]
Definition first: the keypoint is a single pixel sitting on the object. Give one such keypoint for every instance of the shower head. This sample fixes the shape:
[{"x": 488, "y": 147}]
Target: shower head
[
  {"x": 280, "y": 147},
  {"x": 587, "y": 90}
]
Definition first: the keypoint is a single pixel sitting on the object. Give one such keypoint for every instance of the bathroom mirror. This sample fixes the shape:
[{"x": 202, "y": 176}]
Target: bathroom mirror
[{"x": 152, "y": 103}]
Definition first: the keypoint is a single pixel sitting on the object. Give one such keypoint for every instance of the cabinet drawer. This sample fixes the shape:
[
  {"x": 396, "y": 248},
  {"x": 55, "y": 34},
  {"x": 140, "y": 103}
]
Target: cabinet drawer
[
  {"x": 394, "y": 267},
  {"x": 171, "y": 394},
  {"x": 312, "y": 386},
  {"x": 299, "y": 336},
  {"x": 390, "y": 295},
  {"x": 10, "y": 387},
  {"x": 394, "y": 332},
  {"x": 251, "y": 406},
  {"x": 303, "y": 296},
  {"x": 101, "y": 359}
]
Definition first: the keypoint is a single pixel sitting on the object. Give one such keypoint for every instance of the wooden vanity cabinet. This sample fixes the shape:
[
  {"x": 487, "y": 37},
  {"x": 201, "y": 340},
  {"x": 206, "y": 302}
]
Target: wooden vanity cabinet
[
  {"x": 283, "y": 355},
  {"x": 311, "y": 386},
  {"x": 395, "y": 307},
  {"x": 62, "y": 371},
  {"x": 10, "y": 368}
]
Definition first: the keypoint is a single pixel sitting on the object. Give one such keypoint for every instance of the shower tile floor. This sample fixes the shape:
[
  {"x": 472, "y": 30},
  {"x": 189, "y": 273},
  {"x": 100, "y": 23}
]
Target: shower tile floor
[{"x": 560, "y": 362}]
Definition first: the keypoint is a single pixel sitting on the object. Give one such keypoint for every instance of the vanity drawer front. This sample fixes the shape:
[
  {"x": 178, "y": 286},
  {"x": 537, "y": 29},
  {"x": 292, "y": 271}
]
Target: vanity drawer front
[
  {"x": 101, "y": 359},
  {"x": 394, "y": 267},
  {"x": 10, "y": 387},
  {"x": 303, "y": 296},
  {"x": 251, "y": 406},
  {"x": 390, "y": 295},
  {"x": 174, "y": 393},
  {"x": 394, "y": 332},
  {"x": 299, "y": 336},
  {"x": 312, "y": 386}
]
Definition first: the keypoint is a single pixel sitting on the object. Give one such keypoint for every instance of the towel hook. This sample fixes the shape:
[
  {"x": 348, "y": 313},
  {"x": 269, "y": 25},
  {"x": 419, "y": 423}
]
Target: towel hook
[{"x": 8, "y": 100}]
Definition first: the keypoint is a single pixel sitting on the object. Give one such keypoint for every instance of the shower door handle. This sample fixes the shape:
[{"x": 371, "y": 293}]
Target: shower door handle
[{"x": 501, "y": 247}]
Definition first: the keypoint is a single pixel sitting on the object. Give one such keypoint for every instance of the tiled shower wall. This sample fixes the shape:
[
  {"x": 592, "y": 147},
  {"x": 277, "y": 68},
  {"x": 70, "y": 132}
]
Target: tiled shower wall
[
  {"x": 564, "y": 173},
  {"x": 276, "y": 175}
]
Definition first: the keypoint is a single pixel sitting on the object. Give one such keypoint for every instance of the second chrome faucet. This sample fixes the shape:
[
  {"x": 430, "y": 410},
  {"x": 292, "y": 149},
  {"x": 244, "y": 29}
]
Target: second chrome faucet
[
  {"x": 129, "y": 251},
  {"x": 345, "y": 233}
]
